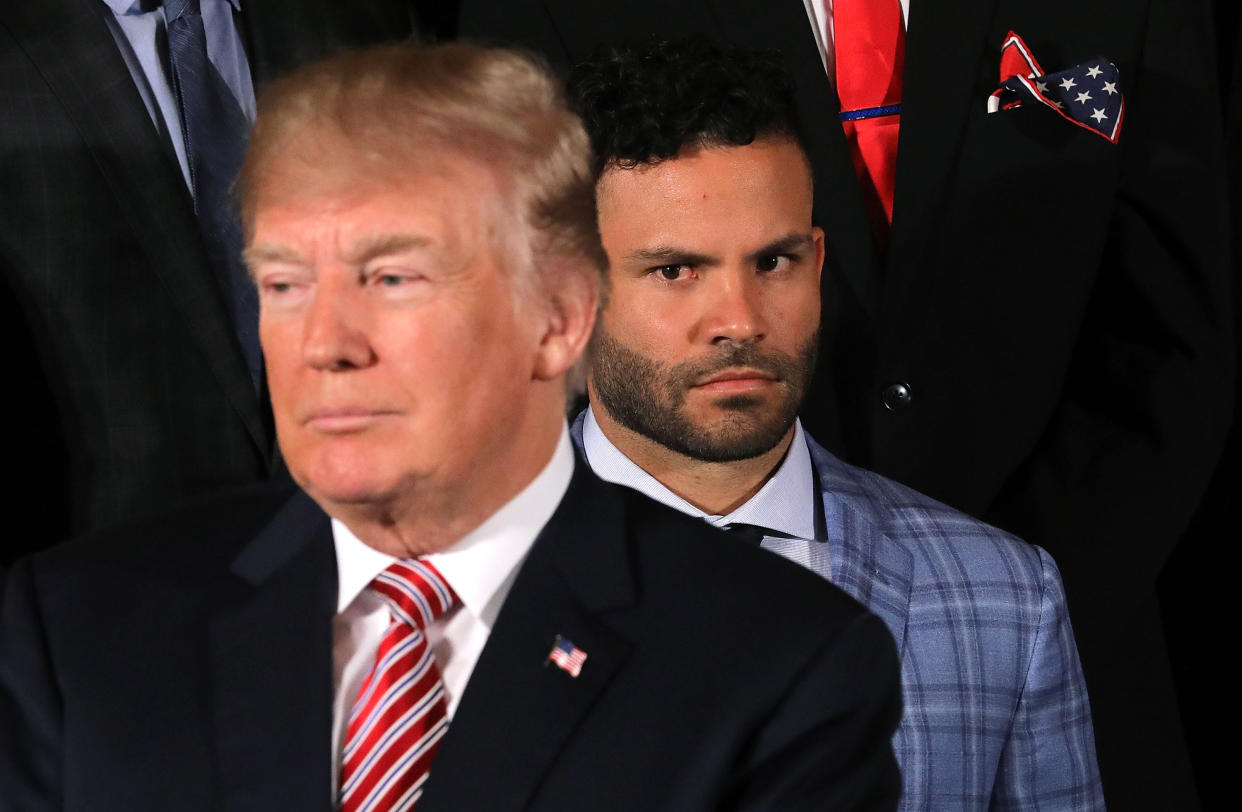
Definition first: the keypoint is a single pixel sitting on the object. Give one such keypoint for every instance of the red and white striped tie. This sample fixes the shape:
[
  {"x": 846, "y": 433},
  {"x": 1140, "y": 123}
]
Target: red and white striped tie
[{"x": 400, "y": 714}]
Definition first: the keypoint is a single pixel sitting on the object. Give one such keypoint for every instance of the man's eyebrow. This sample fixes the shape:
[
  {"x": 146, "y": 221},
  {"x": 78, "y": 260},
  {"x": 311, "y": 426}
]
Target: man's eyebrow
[
  {"x": 256, "y": 254},
  {"x": 670, "y": 255},
  {"x": 359, "y": 253},
  {"x": 788, "y": 244},
  {"x": 379, "y": 245}
]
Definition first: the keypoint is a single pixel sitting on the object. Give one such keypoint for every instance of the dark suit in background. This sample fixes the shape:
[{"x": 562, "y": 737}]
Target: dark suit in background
[
  {"x": 718, "y": 676},
  {"x": 1046, "y": 343},
  {"x": 130, "y": 391},
  {"x": 1198, "y": 583}
]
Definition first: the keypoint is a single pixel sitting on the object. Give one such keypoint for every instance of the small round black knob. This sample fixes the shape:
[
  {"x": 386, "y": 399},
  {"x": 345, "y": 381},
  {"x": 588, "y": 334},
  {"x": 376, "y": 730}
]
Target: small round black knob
[{"x": 897, "y": 396}]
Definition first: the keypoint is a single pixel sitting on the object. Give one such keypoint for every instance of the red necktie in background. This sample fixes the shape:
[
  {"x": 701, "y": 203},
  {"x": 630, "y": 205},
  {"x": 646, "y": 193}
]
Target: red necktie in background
[{"x": 869, "y": 38}]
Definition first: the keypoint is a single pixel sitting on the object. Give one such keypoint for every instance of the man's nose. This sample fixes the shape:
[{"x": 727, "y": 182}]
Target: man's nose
[
  {"x": 736, "y": 309},
  {"x": 335, "y": 335}
]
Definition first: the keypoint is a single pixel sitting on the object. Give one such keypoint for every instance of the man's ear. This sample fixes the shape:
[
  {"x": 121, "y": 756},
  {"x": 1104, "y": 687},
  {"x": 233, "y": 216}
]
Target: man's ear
[
  {"x": 817, "y": 236},
  {"x": 573, "y": 299}
]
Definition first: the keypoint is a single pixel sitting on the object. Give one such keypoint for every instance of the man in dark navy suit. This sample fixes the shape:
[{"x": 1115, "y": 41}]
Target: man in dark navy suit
[{"x": 450, "y": 609}]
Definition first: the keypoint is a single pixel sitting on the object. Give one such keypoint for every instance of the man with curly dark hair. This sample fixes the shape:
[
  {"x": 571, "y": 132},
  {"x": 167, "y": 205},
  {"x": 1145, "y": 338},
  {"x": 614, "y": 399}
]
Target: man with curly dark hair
[
  {"x": 1042, "y": 338},
  {"x": 699, "y": 364},
  {"x": 644, "y": 104}
]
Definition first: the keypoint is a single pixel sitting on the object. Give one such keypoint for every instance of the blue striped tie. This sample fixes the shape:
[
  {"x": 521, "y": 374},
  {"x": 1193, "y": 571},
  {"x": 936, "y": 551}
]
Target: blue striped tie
[{"x": 214, "y": 129}]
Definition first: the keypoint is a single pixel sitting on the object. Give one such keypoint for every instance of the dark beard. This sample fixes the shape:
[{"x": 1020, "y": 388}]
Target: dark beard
[{"x": 649, "y": 399}]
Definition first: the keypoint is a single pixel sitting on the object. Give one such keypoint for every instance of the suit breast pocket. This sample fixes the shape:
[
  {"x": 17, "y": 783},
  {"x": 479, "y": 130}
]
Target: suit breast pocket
[{"x": 1035, "y": 152}]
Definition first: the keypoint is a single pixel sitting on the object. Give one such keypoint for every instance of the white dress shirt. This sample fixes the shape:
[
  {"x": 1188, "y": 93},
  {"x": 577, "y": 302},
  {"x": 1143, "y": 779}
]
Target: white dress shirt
[
  {"x": 141, "y": 39},
  {"x": 480, "y": 568},
  {"x": 819, "y": 12},
  {"x": 785, "y": 503}
]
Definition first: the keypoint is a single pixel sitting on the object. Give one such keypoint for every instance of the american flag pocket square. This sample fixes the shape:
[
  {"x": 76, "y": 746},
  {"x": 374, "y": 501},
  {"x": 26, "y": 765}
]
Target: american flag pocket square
[{"x": 1088, "y": 94}]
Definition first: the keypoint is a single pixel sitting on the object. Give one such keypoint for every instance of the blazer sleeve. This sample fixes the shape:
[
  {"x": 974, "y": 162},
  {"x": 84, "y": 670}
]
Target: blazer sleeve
[
  {"x": 30, "y": 705},
  {"x": 828, "y": 744},
  {"x": 1049, "y": 760},
  {"x": 1147, "y": 402}
]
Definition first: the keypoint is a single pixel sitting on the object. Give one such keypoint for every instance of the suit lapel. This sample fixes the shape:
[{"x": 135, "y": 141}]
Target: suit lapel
[
  {"x": 946, "y": 43},
  {"x": 865, "y": 562},
  {"x": 270, "y": 645},
  {"x": 78, "y": 57},
  {"x": 517, "y": 712}
]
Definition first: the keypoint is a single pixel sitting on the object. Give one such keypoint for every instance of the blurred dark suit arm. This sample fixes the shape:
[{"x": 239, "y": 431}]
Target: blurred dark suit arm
[
  {"x": 31, "y": 748},
  {"x": 828, "y": 744}
]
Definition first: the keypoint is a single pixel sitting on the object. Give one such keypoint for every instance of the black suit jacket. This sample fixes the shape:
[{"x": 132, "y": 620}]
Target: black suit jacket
[
  {"x": 129, "y": 390},
  {"x": 186, "y": 664},
  {"x": 1057, "y": 305}
]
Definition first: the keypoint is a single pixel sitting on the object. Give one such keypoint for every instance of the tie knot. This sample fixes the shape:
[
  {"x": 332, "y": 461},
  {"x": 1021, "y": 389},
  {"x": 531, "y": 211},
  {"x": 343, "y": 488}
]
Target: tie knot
[
  {"x": 415, "y": 590},
  {"x": 749, "y": 533},
  {"x": 753, "y": 533}
]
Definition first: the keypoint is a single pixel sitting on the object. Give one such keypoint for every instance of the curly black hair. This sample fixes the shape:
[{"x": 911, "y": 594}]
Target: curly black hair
[{"x": 642, "y": 103}]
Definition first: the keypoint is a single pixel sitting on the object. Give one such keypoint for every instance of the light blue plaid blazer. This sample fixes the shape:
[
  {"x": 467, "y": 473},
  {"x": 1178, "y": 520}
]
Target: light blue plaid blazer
[{"x": 996, "y": 714}]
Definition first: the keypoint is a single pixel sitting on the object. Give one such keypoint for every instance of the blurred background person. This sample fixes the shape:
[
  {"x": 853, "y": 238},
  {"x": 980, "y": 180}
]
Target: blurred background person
[{"x": 139, "y": 378}]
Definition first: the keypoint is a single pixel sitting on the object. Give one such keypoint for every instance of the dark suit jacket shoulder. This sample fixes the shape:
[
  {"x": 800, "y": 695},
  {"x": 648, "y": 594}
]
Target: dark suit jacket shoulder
[{"x": 186, "y": 663}]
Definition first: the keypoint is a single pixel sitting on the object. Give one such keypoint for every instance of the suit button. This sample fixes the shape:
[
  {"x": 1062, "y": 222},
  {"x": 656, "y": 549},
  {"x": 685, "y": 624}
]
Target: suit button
[{"x": 896, "y": 396}]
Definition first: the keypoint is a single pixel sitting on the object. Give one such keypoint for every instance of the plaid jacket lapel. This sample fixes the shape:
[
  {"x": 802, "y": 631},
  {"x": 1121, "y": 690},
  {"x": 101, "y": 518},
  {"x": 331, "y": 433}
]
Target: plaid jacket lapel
[{"x": 864, "y": 561}]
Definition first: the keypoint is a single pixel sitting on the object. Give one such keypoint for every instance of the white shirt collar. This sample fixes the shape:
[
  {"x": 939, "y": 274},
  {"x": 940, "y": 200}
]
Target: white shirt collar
[
  {"x": 480, "y": 566},
  {"x": 786, "y": 502}
]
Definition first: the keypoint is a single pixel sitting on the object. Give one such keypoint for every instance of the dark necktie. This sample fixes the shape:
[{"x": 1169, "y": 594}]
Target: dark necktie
[
  {"x": 214, "y": 129},
  {"x": 753, "y": 533}
]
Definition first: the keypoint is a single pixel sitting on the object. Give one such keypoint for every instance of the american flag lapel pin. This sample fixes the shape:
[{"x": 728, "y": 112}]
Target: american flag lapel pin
[{"x": 566, "y": 656}]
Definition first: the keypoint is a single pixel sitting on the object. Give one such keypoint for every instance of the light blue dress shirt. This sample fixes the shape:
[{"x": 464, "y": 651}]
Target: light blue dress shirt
[
  {"x": 785, "y": 503},
  {"x": 141, "y": 39}
]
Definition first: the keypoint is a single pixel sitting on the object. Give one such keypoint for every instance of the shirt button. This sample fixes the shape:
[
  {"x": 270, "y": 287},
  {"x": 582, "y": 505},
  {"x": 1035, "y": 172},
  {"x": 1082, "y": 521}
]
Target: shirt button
[{"x": 897, "y": 396}]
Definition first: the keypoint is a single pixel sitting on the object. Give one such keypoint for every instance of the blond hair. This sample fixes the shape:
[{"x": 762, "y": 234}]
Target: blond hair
[{"x": 369, "y": 114}]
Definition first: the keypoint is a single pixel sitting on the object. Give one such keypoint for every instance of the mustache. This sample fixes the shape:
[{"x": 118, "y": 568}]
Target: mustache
[{"x": 777, "y": 364}]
